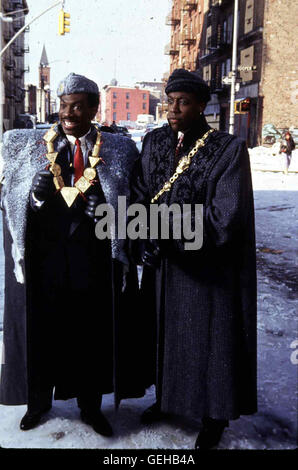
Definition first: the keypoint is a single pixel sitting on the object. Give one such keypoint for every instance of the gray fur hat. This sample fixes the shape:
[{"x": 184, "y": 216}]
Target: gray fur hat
[{"x": 74, "y": 83}]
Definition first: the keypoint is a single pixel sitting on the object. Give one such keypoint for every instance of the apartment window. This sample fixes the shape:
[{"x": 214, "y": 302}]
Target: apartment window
[
  {"x": 114, "y": 116},
  {"x": 228, "y": 66},
  {"x": 144, "y": 105},
  {"x": 208, "y": 36},
  {"x": 114, "y": 94},
  {"x": 249, "y": 16},
  {"x": 230, "y": 29},
  {"x": 207, "y": 73},
  {"x": 223, "y": 69},
  {"x": 127, "y": 105},
  {"x": 127, "y": 96},
  {"x": 224, "y": 32},
  {"x": 144, "y": 96},
  {"x": 114, "y": 105},
  {"x": 128, "y": 116}
]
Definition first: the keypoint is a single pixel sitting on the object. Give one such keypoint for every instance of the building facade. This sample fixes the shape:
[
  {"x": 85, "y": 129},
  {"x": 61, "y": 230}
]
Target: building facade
[
  {"x": 214, "y": 63},
  {"x": 266, "y": 58},
  {"x": 13, "y": 63},
  {"x": 123, "y": 103},
  {"x": 186, "y": 19},
  {"x": 279, "y": 74}
]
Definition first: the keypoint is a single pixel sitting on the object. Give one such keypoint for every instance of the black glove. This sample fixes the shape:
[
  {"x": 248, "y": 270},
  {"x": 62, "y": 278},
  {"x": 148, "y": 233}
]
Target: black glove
[
  {"x": 43, "y": 185},
  {"x": 151, "y": 255},
  {"x": 92, "y": 203}
]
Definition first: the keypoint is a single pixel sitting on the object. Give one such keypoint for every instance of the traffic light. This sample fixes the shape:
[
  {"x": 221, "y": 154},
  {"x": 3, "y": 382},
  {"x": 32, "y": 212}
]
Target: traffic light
[
  {"x": 245, "y": 105},
  {"x": 63, "y": 22}
]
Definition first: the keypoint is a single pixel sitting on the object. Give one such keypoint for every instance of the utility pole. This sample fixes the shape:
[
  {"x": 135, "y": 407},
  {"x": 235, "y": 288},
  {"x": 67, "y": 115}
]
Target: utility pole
[
  {"x": 9, "y": 18},
  {"x": 234, "y": 68}
]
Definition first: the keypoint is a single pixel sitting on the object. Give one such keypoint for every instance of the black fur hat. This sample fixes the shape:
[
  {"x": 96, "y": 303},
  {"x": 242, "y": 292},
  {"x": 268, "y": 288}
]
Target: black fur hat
[{"x": 191, "y": 82}]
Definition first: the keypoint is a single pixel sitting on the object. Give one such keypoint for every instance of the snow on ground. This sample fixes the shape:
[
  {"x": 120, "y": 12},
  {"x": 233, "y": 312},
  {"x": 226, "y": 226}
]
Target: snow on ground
[{"x": 275, "y": 424}]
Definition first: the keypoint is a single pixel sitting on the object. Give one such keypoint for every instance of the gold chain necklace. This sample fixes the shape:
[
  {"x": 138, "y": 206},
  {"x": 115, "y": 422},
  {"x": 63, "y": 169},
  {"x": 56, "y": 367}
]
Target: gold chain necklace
[
  {"x": 70, "y": 193},
  {"x": 183, "y": 164}
]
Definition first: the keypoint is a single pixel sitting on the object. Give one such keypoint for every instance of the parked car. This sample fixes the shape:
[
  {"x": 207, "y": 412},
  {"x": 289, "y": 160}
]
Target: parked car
[
  {"x": 43, "y": 125},
  {"x": 270, "y": 134}
]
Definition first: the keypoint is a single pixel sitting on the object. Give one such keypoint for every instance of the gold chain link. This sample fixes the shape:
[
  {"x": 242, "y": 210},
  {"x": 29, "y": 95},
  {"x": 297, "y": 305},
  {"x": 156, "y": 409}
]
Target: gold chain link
[{"x": 183, "y": 164}]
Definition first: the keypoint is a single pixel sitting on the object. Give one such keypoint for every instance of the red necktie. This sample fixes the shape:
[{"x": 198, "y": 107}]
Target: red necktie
[
  {"x": 179, "y": 145},
  {"x": 78, "y": 161}
]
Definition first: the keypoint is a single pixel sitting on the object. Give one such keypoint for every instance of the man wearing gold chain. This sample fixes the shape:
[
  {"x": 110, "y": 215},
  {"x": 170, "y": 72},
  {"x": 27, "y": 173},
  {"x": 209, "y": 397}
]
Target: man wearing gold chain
[
  {"x": 64, "y": 287},
  {"x": 205, "y": 299}
]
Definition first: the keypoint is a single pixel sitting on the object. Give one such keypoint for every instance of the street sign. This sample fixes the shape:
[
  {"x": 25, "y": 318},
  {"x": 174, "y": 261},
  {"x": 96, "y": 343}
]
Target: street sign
[
  {"x": 228, "y": 80},
  {"x": 247, "y": 68}
]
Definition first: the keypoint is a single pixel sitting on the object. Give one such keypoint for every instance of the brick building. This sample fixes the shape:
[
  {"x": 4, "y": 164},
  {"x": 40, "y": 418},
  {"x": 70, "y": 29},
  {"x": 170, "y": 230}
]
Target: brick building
[
  {"x": 279, "y": 80},
  {"x": 186, "y": 21},
  {"x": 214, "y": 63},
  {"x": 267, "y": 63},
  {"x": 123, "y": 103},
  {"x": 13, "y": 64}
]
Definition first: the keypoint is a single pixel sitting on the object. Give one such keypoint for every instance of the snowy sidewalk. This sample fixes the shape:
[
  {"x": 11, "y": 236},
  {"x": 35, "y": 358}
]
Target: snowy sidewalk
[{"x": 275, "y": 424}]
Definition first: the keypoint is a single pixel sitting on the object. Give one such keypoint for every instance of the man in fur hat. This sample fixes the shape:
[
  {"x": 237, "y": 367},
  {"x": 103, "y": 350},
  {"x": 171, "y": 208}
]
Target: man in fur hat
[
  {"x": 205, "y": 297},
  {"x": 63, "y": 329}
]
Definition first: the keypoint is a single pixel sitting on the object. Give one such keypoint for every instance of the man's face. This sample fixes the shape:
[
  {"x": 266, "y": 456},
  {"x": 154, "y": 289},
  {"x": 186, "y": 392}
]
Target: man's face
[
  {"x": 183, "y": 110},
  {"x": 75, "y": 114}
]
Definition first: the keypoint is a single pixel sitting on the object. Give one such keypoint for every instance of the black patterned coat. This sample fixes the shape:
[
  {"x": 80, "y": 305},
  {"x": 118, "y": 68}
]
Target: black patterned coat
[
  {"x": 205, "y": 356},
  {"x": 67, "y": 315}
]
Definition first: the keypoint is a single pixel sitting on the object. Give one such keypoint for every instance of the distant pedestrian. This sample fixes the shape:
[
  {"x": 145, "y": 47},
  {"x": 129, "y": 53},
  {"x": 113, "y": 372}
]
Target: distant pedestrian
[{"x": 287, "y": 145}]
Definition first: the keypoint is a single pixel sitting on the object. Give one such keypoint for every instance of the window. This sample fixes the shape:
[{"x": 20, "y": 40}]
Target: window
[
  {"x": 114, "y": 104},
  {"x": 230, "y": 29},
  {"x": 127, "y": 105},
  {"x": 114, "y": 94},
  {"x": 249, "y": 16},
  {"x": 127, "y": 96},
  {"x": 128, "y": 116},
  {"x": 114, "y": 116},
  {"x": 144, "y": 105},
  {"x": 144, "y": 96},
  {"x": 207, "y": 73}
]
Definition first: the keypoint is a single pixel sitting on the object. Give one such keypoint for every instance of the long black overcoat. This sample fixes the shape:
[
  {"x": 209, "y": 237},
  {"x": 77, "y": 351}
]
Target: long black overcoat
[
  {"x": 205, "y": 299},
  {"x": 90, "y": 339}
]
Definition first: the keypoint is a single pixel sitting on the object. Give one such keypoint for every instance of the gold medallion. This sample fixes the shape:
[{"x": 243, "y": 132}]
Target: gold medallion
[
  {"x": 96, "y": 150},
  {"x": 93, "y": 161},
  {"x": 50, "y": 136},
  {"x": 52, "y": 156},
  {"x": 58, "y": 182},
  {"x": 50, "y": 147},
  {"x": 69, "y": 194},
  {"x": 55, "y": 169},
  {"x": 90, "y": 173},
  {"x": 82, "y": 184}
]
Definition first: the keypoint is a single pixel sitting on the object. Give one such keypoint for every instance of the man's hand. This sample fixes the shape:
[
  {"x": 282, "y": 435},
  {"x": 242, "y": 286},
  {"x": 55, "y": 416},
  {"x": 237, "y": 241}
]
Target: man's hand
[
  {"x": 151, "y": 255},
  {"x": 43, "y": 185},
  {"x": 92, "y": 203}
]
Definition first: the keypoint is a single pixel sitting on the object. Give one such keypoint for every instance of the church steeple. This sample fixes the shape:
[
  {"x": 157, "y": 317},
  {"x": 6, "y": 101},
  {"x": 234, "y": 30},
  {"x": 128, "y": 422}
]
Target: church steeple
[
  {"x": 44, "y": 69},
  {"x": 44, "y": 58}
]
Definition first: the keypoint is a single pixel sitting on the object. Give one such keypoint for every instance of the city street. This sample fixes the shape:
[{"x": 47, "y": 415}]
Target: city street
[{"x": 275, "y": 424}]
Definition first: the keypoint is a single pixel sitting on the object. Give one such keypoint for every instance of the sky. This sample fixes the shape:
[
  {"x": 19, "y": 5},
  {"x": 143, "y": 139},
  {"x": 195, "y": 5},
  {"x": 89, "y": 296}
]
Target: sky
[{"x": 122, "y": 39}]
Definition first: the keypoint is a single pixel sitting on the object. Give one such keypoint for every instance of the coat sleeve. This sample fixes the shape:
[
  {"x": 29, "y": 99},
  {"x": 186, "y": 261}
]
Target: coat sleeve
[
  {"x": 228, "y": 204},
  {"x": 231, "y": 202}
]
